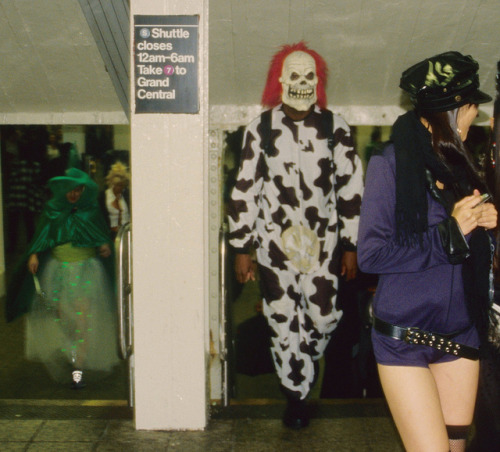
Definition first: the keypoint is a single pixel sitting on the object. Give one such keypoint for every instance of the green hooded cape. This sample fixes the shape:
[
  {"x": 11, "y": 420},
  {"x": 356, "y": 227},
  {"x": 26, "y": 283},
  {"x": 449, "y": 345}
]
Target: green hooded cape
[{"x": 82, "y": 224}]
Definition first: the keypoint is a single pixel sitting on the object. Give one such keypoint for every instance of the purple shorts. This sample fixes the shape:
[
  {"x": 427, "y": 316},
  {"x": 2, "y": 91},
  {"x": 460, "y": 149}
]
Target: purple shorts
[{"x": 394, "y": 352}]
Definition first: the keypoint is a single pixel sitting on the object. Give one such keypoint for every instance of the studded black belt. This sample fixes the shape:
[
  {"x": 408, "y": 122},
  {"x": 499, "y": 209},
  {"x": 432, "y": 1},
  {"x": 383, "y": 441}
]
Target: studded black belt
[{"x": 416, "y": 336}]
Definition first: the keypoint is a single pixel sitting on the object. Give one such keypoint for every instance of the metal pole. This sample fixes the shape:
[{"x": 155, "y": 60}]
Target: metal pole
[
  {"x": 124, "y": 301},
  {"x": 223, "y": 317},
  {"x": 123, "y": 291}
]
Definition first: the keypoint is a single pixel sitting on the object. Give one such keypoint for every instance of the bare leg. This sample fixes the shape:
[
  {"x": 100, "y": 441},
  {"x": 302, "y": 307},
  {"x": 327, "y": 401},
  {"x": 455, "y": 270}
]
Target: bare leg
[
  {"x": 457, "y": 386},
  {"x": 415, "y": 405},
  {"x": 80, "y": 335},
  {"x": 424, "y": 401}
]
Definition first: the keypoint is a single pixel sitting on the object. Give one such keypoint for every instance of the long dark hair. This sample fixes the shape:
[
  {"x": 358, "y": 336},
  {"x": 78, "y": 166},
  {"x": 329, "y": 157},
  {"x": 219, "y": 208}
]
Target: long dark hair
[{"x": 449, "y": 146}]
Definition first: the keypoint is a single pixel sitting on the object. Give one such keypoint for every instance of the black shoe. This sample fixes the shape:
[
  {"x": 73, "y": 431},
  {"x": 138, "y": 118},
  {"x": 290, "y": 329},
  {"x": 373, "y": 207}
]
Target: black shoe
[
  {"x": 77, "y": 380},
  {"x": 296, "y": 414}
]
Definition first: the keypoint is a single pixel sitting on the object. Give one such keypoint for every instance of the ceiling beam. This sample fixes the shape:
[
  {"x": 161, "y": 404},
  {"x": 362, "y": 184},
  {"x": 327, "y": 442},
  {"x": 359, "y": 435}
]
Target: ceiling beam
[{"x": 109, "y": 22}]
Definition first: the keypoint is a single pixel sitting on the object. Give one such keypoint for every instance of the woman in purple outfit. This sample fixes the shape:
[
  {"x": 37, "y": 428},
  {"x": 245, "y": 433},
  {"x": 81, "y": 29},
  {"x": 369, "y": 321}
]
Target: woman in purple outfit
[{"x": 424, "y": 230}]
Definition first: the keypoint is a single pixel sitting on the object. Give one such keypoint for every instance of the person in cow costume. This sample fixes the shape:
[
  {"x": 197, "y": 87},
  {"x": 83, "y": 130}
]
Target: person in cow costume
[{"x": 297, "y": 201}]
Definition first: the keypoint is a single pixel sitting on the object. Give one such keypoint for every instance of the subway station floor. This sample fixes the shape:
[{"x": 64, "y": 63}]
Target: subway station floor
[
  {"x": 38, "y": 414},
  {"x": 254, "y": 426}
]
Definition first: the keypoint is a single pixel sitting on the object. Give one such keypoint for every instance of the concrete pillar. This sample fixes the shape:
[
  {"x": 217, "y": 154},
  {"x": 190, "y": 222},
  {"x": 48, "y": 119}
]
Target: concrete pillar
[{"x": 169, "y": 179}]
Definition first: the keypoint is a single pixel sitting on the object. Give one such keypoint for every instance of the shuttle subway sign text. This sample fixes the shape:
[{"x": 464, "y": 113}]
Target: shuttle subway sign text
[{"x": 166, "y": 64}]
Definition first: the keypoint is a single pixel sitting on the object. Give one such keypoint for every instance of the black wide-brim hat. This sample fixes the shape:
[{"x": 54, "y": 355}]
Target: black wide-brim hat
[{"x": 444, "y": 82}]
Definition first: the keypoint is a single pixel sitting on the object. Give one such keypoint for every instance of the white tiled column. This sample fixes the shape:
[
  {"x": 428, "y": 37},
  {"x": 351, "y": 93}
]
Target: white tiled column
[{"x": 168, "y": 161}]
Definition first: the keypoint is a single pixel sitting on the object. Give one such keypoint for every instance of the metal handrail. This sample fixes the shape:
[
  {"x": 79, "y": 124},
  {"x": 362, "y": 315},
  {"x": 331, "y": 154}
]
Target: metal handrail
[
  {"x": 223, "y": 349},
  {"x": 124, "y": 295}
]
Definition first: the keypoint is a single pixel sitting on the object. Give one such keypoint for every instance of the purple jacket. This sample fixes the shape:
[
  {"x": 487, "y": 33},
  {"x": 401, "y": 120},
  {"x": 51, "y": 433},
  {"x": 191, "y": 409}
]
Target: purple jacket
[{"x": 418, "y": 286}]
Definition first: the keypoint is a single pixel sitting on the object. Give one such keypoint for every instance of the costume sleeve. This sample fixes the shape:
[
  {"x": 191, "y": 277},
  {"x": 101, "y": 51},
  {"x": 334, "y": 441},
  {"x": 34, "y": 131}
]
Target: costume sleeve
[
  {"x": 243, "y": 208},
  {"x": 348, "y": 185},
  {"x": 378, "y": 251}
]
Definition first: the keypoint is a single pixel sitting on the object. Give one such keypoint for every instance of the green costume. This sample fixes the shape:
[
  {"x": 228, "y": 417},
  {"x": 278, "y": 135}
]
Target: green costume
[
  {"x": 73, "y": 324},
  {"x": 81, "y": 224}
]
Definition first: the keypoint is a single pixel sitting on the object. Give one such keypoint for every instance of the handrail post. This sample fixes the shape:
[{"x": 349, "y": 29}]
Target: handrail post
[
  {"x": 123, "y": 292},
  {"x": 124, "y": 301},
  {"x": 223, "y": 350}
]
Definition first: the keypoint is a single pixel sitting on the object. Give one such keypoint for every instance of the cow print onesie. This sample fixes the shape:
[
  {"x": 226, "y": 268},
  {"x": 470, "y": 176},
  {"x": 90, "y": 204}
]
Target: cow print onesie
[{"x": 300, "y": 186}]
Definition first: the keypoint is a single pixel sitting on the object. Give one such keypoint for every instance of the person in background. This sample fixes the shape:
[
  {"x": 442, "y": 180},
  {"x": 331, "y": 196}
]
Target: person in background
[
  {"x": 67, "y": 294},
  {"x": 115, "y": 199},
  {"x": 23, "y": 191},
  {"x": 425, "y": 231},
  {"x": 487, "y": 412},
  {"x": 375, "y": 142},
  {"x": 56, "y": 157}
]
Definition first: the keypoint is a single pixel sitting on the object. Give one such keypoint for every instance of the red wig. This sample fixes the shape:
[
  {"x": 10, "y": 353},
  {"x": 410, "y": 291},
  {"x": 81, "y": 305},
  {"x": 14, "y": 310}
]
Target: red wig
[{"x": 273, "y": 90}]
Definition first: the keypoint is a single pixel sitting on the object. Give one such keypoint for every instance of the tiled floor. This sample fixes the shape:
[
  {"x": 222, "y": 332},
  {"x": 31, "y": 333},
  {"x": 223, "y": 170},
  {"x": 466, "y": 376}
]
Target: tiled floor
[
  {"x": 37, "y": 414},
  {"x": 348, "y": 427}
]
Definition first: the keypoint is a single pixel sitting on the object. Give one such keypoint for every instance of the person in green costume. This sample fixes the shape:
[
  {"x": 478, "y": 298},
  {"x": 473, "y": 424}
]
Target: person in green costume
[{"x": 71, "y": 324}]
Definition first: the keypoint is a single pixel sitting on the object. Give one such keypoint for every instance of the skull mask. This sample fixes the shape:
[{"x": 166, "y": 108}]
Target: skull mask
[{"x": 299, "y": 80}]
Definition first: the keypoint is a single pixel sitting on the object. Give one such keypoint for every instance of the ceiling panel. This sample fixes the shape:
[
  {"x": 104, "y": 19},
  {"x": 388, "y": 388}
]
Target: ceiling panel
[
  {"x": 51, "y": 64},
  {"x": 366, "y": 43}
]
